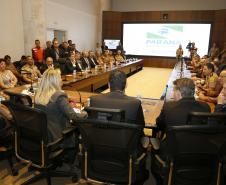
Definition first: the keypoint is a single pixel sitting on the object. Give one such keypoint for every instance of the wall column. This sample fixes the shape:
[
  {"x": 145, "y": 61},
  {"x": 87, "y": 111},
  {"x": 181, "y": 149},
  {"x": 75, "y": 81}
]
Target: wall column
[
  {"x": 104, "y": 5},
  {"x": 34, "y": 23}
]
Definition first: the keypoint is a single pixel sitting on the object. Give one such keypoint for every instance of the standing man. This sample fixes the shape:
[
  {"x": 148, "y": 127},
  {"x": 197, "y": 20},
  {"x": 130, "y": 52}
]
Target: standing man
[
  {"x": 38, "y": 54},
  {"x": 179, "y": 53}
]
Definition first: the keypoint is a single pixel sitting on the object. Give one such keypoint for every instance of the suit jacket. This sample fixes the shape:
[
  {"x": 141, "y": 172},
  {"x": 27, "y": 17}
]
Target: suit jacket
[
  {"x": 69, "y": 68},
  {"x": 54, "y": 54},
  {"x": 176, "y": 112},
  {"x": 80, "y": 65},
  {"x": 85, "y": 62},
  {"x": 59, "y": 113},
  {"x": 93, "y": 62},
  {"x": 117, "y": 100}
]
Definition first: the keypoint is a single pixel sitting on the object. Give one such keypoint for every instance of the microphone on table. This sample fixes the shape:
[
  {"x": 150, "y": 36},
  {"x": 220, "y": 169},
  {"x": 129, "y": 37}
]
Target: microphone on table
[{"x": 163, "y": 97}]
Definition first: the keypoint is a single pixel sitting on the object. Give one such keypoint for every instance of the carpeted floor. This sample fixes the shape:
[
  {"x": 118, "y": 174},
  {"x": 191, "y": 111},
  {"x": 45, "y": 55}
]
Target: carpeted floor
[{"x": 148, "y": 83}]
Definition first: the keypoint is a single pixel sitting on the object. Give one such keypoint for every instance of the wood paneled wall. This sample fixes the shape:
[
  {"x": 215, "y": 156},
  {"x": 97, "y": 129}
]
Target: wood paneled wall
[{"x": 112, "y": 26}]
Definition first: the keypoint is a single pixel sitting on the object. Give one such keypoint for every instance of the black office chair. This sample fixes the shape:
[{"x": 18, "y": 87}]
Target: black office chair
[
  {"x": 194, "y": 155},
  {"x": 206, "y": 118},
  {"x": 111, "y": 152},
  {"x": 31, "y": 142},
  {"x": 6, "y": 146},
  {"x": 105, "y": 114},
  {"x": 19, "y": 98}
]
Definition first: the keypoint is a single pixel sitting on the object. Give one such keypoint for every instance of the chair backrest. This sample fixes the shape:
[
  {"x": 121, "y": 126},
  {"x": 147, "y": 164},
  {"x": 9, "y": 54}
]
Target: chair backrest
[
  {"x": 206, "y": 118},
  {"x": 195, "y": 153},
  {"x": 19, "y": 98},
  {"x": 109, "y": 147},
  {"x": 30, "y": 133},
  {"x": 5, "y": 132},
  {"x": 105, "y": 114}
]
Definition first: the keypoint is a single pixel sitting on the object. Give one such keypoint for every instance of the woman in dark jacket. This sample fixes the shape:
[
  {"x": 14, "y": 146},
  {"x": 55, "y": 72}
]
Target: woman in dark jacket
[{"x": 54, "y": 101}]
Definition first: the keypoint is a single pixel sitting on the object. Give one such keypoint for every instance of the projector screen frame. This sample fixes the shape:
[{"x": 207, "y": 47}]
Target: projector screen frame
[{"x": 165, "y": 22}]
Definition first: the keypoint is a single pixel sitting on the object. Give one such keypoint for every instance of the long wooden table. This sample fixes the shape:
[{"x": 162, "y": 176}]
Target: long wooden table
[
  {"x": 151, "y": 107},
  {"x": 179, "y": 71},
  {"x": 90, "y": 82}
]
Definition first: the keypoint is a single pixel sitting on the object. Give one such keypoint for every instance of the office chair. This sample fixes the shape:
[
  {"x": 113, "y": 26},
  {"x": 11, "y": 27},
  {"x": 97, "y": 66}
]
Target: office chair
[
  {"x": 105, "y": 114},
  {"x": 19, "y": 98},
  {"x": 111, "y": 152},
  {"x": 206, "y": 118},
  {"x": 31, "y": 143},
  {"x": 194, "y": 155},
  {"x": 6, "y": 148}
]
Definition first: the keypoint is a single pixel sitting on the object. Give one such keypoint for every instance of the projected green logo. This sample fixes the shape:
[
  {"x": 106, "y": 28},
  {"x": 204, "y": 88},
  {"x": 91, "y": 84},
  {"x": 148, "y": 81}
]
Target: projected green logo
[
  {"x": 154, "y": 36},
  {"x": 178, "y": 28},
  {"x": 164, "y": 32}
]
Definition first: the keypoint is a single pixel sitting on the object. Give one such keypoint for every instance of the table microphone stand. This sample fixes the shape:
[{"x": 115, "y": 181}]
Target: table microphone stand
[{"x": 181, "y": 68}]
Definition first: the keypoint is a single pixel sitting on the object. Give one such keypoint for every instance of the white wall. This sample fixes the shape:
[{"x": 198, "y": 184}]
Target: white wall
[
  {"x": 11, "y": 21},
  {"x": 158, "y": 5},
  {"x": 78, "y": 18},
  {"x": 82, "y": 19}
]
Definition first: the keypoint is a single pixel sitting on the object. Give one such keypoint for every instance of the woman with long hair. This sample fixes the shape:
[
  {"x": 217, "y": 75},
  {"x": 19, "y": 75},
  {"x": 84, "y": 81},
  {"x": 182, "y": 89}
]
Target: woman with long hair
[{"x": 54, "y": 101}]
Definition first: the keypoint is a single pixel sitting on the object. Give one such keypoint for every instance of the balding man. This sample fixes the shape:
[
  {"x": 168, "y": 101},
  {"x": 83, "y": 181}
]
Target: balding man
[{"x": 85, "y": 59}]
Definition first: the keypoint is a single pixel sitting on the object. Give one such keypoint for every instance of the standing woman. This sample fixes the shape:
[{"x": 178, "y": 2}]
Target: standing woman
[
  {"x": 7, "y": 78},
  {"x": 54, "y": 101}
]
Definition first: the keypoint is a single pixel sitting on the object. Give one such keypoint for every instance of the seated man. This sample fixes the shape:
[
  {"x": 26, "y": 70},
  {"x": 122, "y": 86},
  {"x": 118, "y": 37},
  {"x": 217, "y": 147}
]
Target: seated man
[
  {"x": 30, "y": 72},
  {"x": 211, "y": 78},
  {"x": 85, "y": 59},
  {"x": 212, "y": 95},
  {"x": 116, "y": 99},
  {"x": 93, "y": 59},
  {"x": 119, "y": 57},
  {"x": 176, "y": 113}
]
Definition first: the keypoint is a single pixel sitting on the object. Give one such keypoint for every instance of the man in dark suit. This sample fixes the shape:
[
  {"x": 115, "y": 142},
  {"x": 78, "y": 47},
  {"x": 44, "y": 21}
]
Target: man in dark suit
[
  {"x": 85, "y": 60},
  {"x": 92, "y": 59},
  {"x": 70, "y": 64},
  {"x": 176, "y": 112},
  {"x": 116, "y": 99}
]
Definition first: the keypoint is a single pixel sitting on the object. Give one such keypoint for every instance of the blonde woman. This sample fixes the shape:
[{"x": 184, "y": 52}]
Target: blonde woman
[{"x": 50, "y": 98}]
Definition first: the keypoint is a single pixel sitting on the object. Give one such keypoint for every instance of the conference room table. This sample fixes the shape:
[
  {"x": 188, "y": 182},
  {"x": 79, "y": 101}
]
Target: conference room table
[
  {"x": 81, "y": 88},
  {"x": 94, "y": 79},
  {"x": 180, "y": 71}
]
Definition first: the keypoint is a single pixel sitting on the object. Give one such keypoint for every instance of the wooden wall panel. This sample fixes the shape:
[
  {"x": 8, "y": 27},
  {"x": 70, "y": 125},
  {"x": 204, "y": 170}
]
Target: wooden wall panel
[
  {"x": 159, "y": 62},
  {"x": 112, "y": 26}
]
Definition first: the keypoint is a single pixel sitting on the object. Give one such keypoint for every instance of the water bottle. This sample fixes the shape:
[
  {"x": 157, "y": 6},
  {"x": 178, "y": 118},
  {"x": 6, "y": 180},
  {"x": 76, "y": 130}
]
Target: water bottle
[{"x": 74, "y": 74}]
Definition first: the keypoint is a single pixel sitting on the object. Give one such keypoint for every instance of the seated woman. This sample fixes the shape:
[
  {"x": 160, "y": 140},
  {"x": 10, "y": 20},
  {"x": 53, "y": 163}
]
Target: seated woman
[
  {"x": 50, "y": 98},
  {"x": 7, "y": 78}
]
